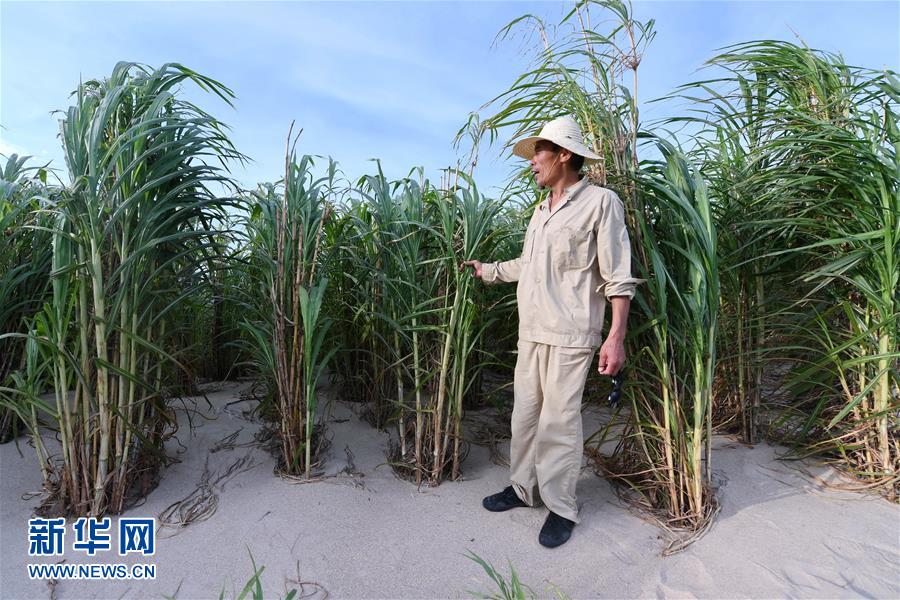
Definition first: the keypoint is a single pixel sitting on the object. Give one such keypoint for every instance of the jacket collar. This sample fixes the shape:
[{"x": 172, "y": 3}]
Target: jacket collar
[{"x": 569, "y": 194}]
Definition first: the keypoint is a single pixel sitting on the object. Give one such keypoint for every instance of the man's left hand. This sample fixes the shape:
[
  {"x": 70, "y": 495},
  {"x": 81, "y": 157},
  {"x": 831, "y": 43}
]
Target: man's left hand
[{"x": 612, "y": 356}]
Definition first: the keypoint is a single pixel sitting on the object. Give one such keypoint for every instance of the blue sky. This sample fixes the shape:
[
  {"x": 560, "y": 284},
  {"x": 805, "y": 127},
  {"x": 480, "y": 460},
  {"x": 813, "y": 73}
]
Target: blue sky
[{"x": 392, "y": 80}]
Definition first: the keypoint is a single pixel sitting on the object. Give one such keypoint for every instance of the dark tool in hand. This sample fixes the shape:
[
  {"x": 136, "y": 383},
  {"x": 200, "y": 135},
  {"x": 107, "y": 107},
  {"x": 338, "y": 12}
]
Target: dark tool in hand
[{"x": 616, "y": 393}]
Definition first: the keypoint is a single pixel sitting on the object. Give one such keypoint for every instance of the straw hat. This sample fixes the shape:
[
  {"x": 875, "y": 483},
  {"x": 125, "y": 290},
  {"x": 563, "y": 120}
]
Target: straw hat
[{"x": 562, "y": 131}]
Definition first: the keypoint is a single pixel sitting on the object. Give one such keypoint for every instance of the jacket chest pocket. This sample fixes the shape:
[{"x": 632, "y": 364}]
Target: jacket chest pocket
[
  {"x": 573, "y": 248},
  {"x": 528, "y": 246}
]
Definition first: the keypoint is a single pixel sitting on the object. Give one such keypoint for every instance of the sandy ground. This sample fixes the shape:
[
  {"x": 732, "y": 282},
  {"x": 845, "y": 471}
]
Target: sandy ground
[{"x": 364, "y": 533}]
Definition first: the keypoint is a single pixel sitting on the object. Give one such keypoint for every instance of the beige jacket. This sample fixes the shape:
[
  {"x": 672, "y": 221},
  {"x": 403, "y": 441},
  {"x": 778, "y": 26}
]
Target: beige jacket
[{"x": 573, "y": 259}]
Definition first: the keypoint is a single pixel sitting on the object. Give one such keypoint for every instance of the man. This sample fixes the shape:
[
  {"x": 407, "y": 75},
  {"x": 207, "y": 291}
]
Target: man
[{"x": 575, "y": 258}]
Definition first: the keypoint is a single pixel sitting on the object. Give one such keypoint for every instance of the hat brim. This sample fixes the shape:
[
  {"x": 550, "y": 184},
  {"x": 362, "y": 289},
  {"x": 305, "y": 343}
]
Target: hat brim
[{"x": 524, "y": 148}]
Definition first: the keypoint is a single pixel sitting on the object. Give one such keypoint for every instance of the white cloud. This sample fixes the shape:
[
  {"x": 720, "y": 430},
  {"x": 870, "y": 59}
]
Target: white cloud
[
  {"x": 413, "y": 100},
  {"x": 8, "y": 148}
]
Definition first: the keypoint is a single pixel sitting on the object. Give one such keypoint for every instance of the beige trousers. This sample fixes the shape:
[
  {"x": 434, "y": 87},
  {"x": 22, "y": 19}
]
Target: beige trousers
[{"x": 547, "y": 437}]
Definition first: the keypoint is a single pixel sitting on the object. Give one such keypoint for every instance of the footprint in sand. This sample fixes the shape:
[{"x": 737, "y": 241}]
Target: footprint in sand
[
  {"x": 685, "y": 577},
  {"x": 527, "y": 518}
]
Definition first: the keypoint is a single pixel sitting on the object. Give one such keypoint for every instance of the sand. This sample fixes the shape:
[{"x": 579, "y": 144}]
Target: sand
[{"x": 363, "y": 533}]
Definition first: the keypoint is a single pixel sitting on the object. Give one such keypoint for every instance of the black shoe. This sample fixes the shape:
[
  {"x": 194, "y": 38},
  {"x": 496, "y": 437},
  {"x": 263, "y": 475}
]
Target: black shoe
[
  {"x": 504, "y": 500},
  {"x": 556, "y": 531}
]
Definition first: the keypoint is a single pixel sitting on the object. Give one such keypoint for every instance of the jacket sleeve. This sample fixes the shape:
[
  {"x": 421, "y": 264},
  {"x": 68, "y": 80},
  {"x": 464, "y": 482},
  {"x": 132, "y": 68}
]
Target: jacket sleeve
[
  {"x": 614, "y": 250},
  {"x": 507, "y": 271}
]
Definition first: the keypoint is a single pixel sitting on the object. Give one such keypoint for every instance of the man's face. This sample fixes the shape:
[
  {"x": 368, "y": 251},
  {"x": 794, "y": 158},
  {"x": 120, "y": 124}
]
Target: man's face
[{"x": 546, "y": 164}]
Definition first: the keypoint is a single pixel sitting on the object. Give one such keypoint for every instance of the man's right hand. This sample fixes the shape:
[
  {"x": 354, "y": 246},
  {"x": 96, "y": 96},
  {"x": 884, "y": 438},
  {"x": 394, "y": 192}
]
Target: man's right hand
[{"x": 476, "y": 266}]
